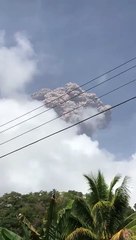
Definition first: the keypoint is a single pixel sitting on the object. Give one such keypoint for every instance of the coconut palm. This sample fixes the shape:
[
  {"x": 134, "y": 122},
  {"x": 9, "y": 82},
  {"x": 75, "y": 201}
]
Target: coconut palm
[{"x": 103, "y": 216}]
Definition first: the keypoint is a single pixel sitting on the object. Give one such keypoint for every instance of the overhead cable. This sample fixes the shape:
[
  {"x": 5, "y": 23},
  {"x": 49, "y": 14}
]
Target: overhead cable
[
  {"x": 66, "y": 128},
  {"x": 64, "y": 101},
  {"x": 82, "y": 85}
]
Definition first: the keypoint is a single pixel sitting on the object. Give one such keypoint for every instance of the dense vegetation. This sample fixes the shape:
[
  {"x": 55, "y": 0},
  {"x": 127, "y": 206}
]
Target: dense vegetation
[
  {"x": 102, "y": 214},
  {"x": 34, "y": 206}
]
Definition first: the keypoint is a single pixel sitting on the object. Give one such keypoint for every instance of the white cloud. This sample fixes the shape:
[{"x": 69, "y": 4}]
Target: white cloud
[{"x": 17, "y": 65}]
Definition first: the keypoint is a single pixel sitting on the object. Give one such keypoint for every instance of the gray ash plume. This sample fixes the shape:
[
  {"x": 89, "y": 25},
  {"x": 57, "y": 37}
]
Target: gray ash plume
[{"x": 89, "y": 102}]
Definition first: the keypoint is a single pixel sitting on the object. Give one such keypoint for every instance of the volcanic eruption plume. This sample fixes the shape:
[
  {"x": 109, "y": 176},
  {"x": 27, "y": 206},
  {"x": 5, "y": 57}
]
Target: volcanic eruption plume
[{"x": 71, "y": 96}]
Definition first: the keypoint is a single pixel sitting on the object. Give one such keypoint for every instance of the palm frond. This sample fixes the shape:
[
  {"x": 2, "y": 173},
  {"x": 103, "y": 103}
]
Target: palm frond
[
  {"x": 101, "y": 208},
  {"x": 26, "y": 222},
  {"x": 131, "y": 224},
  {"x": 102, "y": 187},
  {"x": 81, "y": 234},
  {"x": 129, "y": 219},
  {"x": 123, "y": 234},
  {"x": 5, "y": 234},
  {"x": 98, "y": 187},
  {"x": 124, "y": 187},
  {"x": 121, "y": 198},
  {"x": 66, "y": 224},
  {"x": 133, "y": 230},
  {"x": 113, "y": 183},
  {"x": 132, "y": 216},
  {"x": 119, "y": 202},
  {"x": 101, "y": 217},
  {"x": 93, "y": 188},
  {"x": 81, "y": 209}
]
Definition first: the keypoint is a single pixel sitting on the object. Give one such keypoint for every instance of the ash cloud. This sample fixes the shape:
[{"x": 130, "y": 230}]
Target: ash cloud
[{"x": 67, "y": 98}]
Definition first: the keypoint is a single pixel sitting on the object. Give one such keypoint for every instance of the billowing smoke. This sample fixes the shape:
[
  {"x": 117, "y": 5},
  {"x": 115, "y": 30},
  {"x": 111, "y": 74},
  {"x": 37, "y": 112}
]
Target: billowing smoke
[{"x": 84, "y": 104}]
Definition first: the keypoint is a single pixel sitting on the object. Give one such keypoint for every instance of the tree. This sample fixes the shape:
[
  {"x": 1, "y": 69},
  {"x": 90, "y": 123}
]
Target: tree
[{"x": 103, "y": 215}]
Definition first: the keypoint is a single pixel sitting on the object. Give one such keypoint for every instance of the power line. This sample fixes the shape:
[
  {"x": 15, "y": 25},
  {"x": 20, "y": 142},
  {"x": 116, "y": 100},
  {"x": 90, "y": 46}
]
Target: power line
[
  {"x": 46, "y": 110},
  {"x": 84, "y": 84},
  {"x": 43, "y": 124},
  {"x": 66, "y": 128}
]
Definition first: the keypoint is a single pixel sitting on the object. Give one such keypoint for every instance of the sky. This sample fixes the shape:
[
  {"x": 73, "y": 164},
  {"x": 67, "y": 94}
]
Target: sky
[{"x": 48, "y": 44}]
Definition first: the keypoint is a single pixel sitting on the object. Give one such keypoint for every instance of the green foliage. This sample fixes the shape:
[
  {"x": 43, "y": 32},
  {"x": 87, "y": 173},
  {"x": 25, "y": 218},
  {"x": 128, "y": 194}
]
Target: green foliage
[
  {"x": 102, "y": 214},
  {"x": 34, "y": 206},
  {"x": 98, "y": 188},
  {"x": 8, "y": 235}
]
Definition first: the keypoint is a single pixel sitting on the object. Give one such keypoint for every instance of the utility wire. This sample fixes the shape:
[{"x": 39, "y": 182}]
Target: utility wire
[
  {"x": 43, "y": 124},
  {"x": 66, "y": 128},
  {"x": 64, "y": 101},
  {"x": 84, "y": 84}
]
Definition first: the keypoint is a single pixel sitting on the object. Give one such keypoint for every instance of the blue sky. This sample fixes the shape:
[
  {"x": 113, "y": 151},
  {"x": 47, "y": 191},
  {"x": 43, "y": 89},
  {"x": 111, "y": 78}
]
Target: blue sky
[{"x": 77, "y": 40}]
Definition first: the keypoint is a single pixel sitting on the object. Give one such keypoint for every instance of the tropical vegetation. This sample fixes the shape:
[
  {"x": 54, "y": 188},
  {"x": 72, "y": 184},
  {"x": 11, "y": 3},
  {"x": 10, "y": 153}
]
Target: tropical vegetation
[{"x": 102, "y": 214}]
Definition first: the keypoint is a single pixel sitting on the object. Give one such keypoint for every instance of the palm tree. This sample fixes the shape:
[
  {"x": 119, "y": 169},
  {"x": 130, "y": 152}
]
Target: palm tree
[{"x": 103, "y": 216}]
